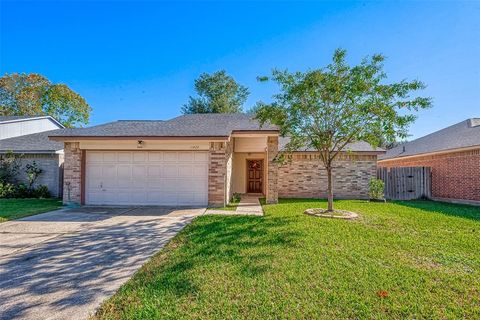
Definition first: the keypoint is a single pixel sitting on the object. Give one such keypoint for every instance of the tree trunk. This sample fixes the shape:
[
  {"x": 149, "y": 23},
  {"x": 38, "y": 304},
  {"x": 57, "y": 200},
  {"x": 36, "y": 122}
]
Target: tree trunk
[{"x": 329, "y": 189}]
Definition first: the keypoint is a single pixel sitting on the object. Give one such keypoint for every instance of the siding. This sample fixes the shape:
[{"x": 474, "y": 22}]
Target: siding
[
  {"x": 52, "y": 175},
  {"x": 24, "y": 127}
]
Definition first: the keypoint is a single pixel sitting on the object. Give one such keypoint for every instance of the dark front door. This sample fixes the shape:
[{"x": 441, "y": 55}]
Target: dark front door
[{"x": 255, "y": 176}]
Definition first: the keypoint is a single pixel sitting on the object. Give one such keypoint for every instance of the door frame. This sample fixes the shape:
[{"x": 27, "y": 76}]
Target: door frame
[{"x": 263, "y": 173}]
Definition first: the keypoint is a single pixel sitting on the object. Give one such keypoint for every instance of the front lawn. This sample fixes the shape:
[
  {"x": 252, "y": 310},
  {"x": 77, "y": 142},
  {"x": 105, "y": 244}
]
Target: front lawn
[
  {"x": 11, "y": 209},
  {"x": 398, "y": 260}
]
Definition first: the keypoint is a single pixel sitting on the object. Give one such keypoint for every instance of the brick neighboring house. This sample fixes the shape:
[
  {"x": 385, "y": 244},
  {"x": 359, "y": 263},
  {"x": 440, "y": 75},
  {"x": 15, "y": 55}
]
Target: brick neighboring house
[
  {"x": 27, "y": 136},
  {"x": 453, "y": 154},
  {"x": 198, "y": 159}
]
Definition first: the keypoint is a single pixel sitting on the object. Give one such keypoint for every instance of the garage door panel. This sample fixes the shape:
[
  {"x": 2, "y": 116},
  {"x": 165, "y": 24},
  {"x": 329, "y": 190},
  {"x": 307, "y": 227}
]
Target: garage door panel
[
  {"x": 170, "y": 171},
  {"x": 159, "y": 184},
  {"x": 185, "y": 171},
  {"x": 95, "y": 156},
  {"x": 154, "y": 170},
  {"x": 200, "y": 156},
  {"x": 200, "y": 170},
  {"x": 109, "y": 172},
  {"x": 186, "y": 156},
  {"x": 109, "y": 157},
  {"x": 139, "y": 171},
  {"x": 124, "y": 172},
  {"x": 170, "y": 156},
  {"x": 95, "y": 197},
  {"x": 155, "y": 156},
  {"x": 124, "y": 156},
  {"x": 147, "y": 177},
  {"x": 139, "y": 157},
  {"x": 94, "y": 183}
]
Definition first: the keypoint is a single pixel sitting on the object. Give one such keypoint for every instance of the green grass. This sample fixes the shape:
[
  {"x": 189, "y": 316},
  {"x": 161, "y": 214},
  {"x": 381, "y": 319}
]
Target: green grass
[
  {"x": 404, "y": 260},
  {"x": 11, "y": 209}
]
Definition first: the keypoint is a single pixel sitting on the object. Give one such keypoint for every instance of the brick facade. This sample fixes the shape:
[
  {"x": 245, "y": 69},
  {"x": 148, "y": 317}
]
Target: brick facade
[
  {"x": 72, "y": 188},
  {"x": 219, "y": 173},
  {"x": 272, "y": 173},
  {"x": 305, "y": 177},
  {"x": 455, "y": 175}
]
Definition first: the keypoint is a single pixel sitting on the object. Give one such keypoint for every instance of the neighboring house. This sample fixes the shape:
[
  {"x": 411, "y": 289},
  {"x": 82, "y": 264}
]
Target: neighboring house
[
  {"x": 28, "y": 136},
  {"x": 198, "y": 159},
  {"x": 452, "y": 153}
]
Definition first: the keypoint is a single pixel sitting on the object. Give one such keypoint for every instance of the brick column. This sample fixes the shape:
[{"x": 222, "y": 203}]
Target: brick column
[
  {"x": 272, "y": 180},
  {"x": 217, "y": 170},
  {"x": 72, "y": 173}
]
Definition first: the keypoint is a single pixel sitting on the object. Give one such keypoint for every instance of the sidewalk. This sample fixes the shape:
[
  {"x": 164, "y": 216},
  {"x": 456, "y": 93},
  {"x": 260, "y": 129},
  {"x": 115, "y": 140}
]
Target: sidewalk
[{"x": 249, "y": 205}]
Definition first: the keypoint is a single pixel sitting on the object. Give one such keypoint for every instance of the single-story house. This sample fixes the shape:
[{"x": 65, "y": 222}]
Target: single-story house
[
  {"x": 453, "y": 154},
  {"x": 27, "y": 136},
  {"x": 198, "y": 159}
]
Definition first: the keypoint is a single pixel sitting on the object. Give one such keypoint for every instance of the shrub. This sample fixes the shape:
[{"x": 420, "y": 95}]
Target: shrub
[
  {"x": 9, "y": 167},
  {"x": 7, "y": 190},
  {"x": 236, "y": 197},
  {"x": 376, "y": 189},
  {"x": 23, "y": 191},
  {"x": 41, "y": 192},
  {"x": 33, "y": 172}
]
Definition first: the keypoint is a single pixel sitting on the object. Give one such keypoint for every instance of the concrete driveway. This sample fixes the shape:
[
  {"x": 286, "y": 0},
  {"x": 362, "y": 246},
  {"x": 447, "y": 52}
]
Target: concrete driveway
[{"x": 63, "y": 264}]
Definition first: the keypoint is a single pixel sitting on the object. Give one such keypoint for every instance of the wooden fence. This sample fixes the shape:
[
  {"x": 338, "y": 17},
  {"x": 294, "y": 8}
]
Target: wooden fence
[{"x": 406, "y": 183}]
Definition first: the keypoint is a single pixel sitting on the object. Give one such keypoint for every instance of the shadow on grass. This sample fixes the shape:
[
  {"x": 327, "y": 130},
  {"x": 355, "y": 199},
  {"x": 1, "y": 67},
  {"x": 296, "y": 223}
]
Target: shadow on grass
[
  {"x": 246, "y": 244},
  {"x": 449, "y": 209}
]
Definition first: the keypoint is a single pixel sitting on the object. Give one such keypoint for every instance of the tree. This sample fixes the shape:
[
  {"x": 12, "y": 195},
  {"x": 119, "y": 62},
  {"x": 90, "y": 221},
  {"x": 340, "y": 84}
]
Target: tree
[
  {"x": 33, "y": 95},
  {"x": 327, "y": 109},
  {"x": 217, "y": 93}
]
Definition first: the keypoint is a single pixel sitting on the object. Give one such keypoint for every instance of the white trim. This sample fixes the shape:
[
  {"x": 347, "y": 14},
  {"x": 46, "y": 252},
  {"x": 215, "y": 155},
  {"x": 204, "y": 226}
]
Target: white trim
[
  {"x": 431, "y": 153},
  {"x": 34, "y": 118}
]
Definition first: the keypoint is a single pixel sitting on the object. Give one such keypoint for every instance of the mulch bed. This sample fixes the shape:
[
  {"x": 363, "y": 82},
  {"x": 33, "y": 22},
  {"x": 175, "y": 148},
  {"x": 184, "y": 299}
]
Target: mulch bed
[{"x": 335, "y": 214}]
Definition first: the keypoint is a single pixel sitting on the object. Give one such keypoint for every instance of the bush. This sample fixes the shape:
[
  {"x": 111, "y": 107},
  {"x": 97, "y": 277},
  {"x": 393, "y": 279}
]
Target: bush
[
  {"x": 22, "y": 191},
  {"x": 376, "y": 189},
  {"x": 236, "y": 197},
  {"x": 33, "y": 172},
  {"x": 7, "y": 190},
  {"x": 41, "y": 192},
  {"x": 9, "y": 167}
]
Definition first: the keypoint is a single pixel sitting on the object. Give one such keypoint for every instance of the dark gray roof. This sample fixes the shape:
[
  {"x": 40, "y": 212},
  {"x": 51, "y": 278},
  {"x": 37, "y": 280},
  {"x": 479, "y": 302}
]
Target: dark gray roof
[
  {"x": 360, "y": 146},
  {"x": 190, "y": 125},
  {"x": 461, "y": 135},
  {"x": 31, "y": 143}
]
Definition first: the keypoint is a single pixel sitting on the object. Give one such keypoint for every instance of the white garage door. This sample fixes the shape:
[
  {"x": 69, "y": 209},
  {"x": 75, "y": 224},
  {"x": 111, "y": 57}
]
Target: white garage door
[{"x": 146, "y": 178}]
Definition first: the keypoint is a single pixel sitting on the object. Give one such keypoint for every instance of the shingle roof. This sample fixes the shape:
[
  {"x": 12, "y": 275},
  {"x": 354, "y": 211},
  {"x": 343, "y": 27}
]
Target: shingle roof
[
  {"x": 190, "y": 125},
  {"x": 31, "y": 143},
  {"x": 461, "y": 135},
  {"x": 360, "y": 146}
]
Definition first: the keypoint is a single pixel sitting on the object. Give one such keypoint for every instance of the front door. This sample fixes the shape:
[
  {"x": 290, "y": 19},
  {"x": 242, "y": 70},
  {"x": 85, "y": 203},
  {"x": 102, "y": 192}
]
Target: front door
[{"x": 254, "y": 176}]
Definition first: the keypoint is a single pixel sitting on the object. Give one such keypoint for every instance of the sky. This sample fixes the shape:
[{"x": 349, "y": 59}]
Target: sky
[{"x": 139, "y": 60}]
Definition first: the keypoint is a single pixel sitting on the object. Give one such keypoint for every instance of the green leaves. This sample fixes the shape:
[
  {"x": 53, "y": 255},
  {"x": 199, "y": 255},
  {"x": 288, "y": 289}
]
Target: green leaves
[
  {"x": 329, "y": 108},
  {"x": 217, "y": 93},
  {"x": 33, "y": 94}
]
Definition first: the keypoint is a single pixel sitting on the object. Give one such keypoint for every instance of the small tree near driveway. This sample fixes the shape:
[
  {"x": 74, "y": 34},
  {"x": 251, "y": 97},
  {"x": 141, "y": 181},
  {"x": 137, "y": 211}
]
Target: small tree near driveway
[{"x": 327, "y": 109}]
